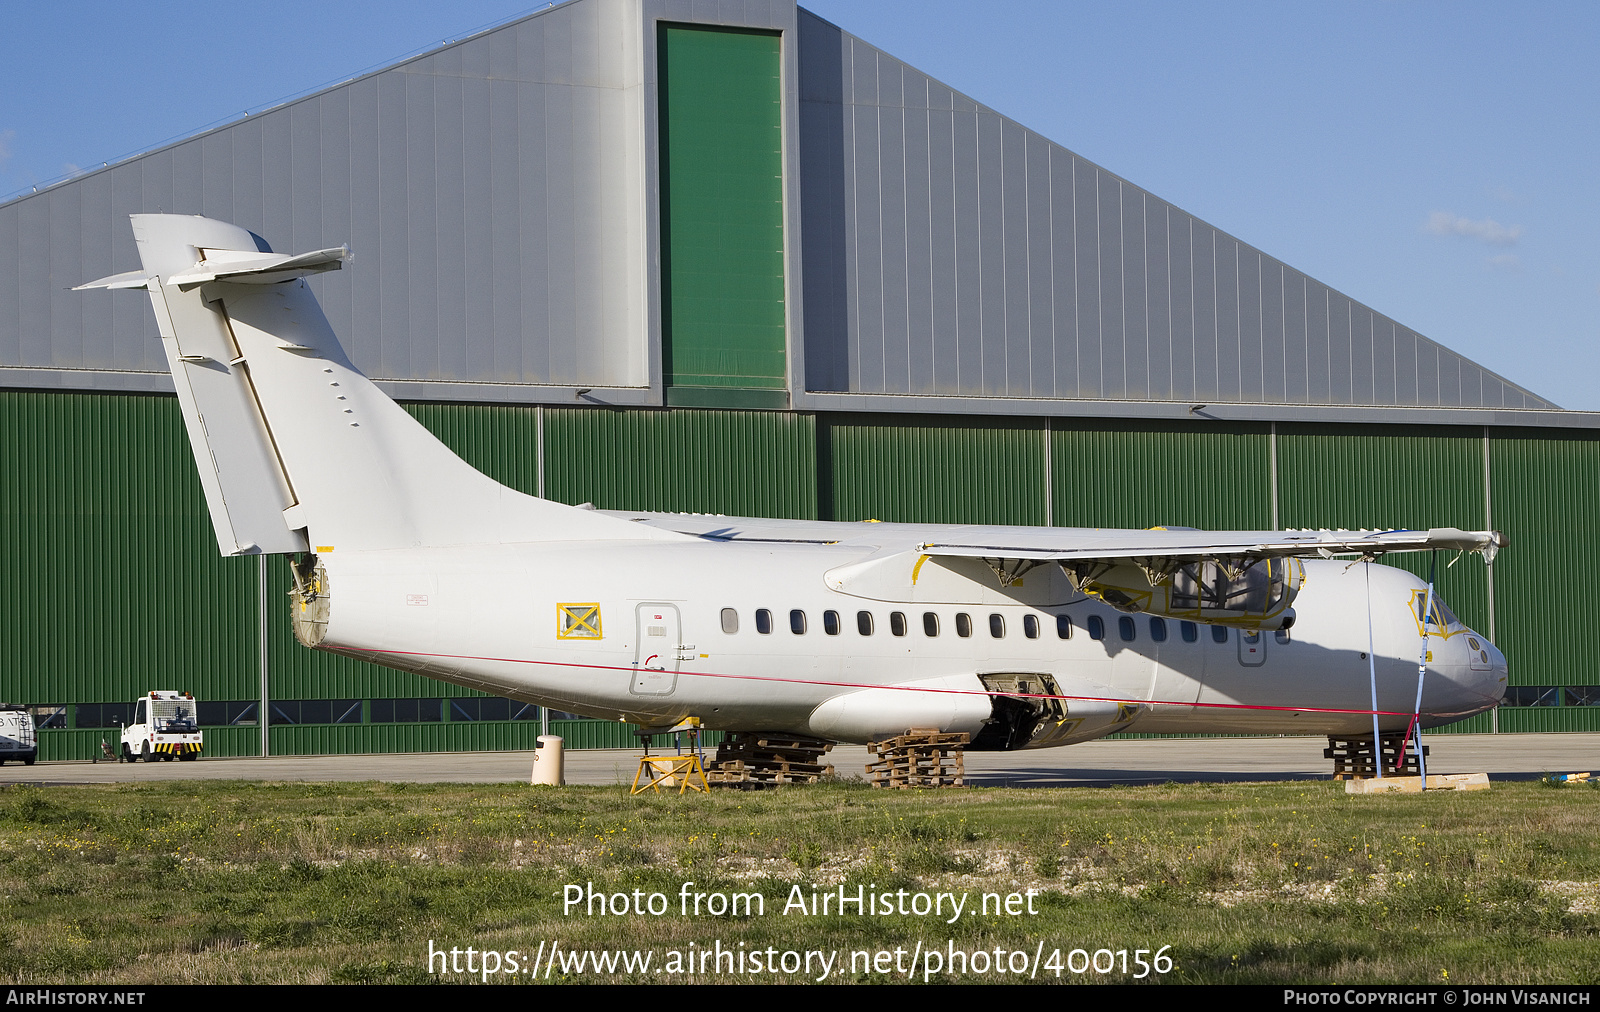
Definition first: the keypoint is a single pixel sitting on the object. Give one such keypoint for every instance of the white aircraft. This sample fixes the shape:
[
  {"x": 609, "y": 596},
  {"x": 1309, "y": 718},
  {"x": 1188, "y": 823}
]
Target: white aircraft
[{"x": 1024, "y": 637}]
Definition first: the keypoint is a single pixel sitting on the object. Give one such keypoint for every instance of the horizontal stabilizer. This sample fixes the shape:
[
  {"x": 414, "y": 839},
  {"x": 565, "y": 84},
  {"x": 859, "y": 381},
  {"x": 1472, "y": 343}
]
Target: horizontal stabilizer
[
  {"x": 127, "y": 279},
  {"x": 259, "y": 268},
  {"x": 238, "y": 266}
]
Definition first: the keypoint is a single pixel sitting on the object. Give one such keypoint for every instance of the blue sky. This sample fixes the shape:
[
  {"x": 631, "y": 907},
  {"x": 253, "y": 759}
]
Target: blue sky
[{"x": 1436, "y": 161}]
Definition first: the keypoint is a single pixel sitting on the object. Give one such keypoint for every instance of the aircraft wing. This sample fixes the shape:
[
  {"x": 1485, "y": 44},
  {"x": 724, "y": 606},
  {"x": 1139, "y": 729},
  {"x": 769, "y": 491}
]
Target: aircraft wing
[
  {"x": 1055, "y": 545},
  {"x": 1077, "y": 544},
  {"x": 1242, "y": 578}
]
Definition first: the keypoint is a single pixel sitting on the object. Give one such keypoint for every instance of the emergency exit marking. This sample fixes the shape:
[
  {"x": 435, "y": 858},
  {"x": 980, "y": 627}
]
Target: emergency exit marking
[{"x": 578, "y": 621}]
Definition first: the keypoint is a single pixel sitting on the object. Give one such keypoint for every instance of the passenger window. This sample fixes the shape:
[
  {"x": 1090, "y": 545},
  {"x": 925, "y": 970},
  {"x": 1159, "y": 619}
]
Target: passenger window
[
  {"x": 1030, "y": 626},
  {"x": 997, "y": 626},
  {"x": 1126, "y": 629},
  {"x": 1219, "y": 634},
  {"x": 730, "y": 621},
  {"x": 1064, "y": 626},
  {"x": 1281, "y": 635},
  {"x": 1097, "y": 627},
  {"x": 864, "y": 623},
  {"x": 930, "y": 623},
  {"x": 1158, "y": 629},
  {"x": 963, "y": 624},
  {"x": 797, "y": 622},
  {"x": 897, "y": 623},
  {"x": 1191, "y": 632},
  {"x": 763, "y": 621},
  {"x": 830, "y": 623}
]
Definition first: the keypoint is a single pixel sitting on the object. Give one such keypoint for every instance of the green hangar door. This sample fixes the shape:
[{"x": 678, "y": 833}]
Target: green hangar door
[{"x": 721, "y": 138}]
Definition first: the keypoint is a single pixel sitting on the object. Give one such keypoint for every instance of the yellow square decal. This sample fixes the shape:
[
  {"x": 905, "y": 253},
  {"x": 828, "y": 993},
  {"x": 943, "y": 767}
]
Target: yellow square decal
[{"x": 578, "y": 621}]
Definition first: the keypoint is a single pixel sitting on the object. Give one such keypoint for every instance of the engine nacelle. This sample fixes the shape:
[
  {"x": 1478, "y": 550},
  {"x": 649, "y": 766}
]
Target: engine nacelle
[
  {"x": 1241, "y": 591},
  {"x": 952, "y": 703}
]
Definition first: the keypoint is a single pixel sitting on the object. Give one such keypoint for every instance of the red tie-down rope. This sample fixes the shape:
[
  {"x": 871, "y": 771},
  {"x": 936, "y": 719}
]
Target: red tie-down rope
[{"x": 898, "y": 688}]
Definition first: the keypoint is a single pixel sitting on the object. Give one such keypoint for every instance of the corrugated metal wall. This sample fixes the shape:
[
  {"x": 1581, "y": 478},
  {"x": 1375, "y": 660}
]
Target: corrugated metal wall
[
  {"x": 1534, "y": 719},
  {"x": 1546, "y": 487},
  {"x": 741, "y": 463},
  {"x": 984, "y": 471},
  {"x": 115, "y": 586},
  {"x": 85, "y": 743},
  {"x": 1379, "y": 477},
  {"x": 1143, "y": 474},
  {"x": 112, "y": 585}
]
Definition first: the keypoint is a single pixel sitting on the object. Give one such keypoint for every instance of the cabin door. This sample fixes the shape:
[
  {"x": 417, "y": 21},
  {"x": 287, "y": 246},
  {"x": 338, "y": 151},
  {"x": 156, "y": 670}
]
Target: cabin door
[
  {"x": 655, "y": 659},
  {"x": 1252, "y": 648}
]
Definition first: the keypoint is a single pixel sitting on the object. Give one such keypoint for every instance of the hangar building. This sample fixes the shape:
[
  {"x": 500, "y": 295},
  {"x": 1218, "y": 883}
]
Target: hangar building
[{"x": 725, "y": 257}]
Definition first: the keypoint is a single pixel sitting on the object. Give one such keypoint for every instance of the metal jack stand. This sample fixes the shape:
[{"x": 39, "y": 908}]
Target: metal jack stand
[{"x": 685, "y": 771}]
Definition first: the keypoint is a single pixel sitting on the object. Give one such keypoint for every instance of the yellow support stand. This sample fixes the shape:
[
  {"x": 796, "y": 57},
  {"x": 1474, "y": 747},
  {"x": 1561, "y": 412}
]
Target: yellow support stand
[{"x": 658, "y": 770}]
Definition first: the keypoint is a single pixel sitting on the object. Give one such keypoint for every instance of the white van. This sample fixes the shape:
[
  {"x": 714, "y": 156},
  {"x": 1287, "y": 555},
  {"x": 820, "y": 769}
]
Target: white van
[{"x": 18, "y": 740}]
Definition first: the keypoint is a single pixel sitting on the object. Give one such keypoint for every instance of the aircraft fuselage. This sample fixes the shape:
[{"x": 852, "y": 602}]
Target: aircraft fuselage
[{"x": 755, "y": 636}]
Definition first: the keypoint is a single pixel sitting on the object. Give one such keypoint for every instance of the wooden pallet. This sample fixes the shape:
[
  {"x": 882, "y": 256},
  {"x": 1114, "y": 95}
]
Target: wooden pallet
[
  {"x": 1352, "y": 757},
  {"x": 919, "y": 758},
  {"x": 748, "y": 758},
  {"x": 769, "y": 776}
]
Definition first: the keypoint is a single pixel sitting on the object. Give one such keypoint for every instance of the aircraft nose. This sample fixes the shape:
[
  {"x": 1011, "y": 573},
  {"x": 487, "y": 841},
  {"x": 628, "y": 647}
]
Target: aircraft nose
[
  {"x": 1497, "y": 663},
  {"x": 1488, "y": 664}
]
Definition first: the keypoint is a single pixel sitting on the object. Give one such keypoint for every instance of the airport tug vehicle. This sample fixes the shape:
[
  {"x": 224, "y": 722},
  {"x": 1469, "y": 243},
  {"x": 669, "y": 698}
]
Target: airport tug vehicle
[{"x": 165, "y": 726}]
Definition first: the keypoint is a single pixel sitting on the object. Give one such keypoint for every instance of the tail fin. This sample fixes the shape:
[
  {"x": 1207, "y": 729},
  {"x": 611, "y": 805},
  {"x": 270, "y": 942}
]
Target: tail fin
[{"x": 297, "y": 450}]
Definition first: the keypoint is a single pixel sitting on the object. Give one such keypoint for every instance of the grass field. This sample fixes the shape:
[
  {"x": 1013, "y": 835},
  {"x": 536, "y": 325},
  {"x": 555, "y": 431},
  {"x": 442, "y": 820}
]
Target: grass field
[{"x": 230, "y": 882}]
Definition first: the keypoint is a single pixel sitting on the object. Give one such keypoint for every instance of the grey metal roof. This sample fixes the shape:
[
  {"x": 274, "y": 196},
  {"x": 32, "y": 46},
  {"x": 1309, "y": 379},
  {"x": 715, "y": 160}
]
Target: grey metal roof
[
  {"x": 950, "y": 251},
  {"x": 492, "y": 191},
  {"x": 500, "y": 196}
]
